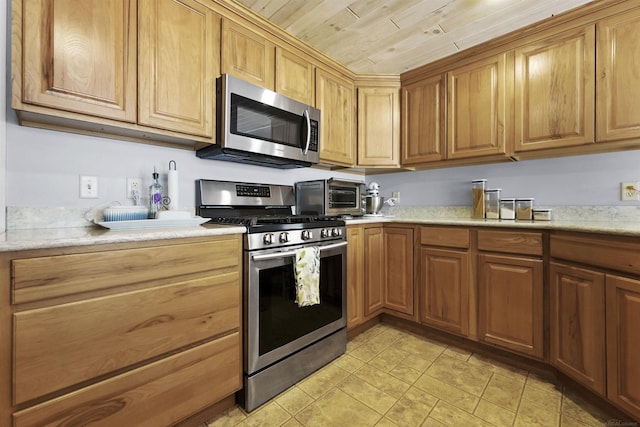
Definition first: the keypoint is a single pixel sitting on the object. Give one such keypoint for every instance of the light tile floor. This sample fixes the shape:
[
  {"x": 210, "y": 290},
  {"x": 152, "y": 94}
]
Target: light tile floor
[{"x": 390, "y": 377}]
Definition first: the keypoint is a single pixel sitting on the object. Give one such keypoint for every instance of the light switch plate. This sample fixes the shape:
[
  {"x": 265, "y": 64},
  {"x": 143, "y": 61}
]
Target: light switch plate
[{"x": 88, "y": 187}]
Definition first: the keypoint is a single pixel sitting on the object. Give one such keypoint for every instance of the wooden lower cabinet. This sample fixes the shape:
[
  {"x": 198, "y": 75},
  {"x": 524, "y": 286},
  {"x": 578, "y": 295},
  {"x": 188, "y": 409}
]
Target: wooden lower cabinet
[
  {"x": 577, "y": 307},
  {"x": 444, "y": 289},
  {"x": 510, "y": 291},
  {"x": 398, "y": 265},
  {"x": 355, "y": 276},
  {"x": 374, "y": 270},
  {"x": 123, "y": 334},
  {"x": 623, "y": 342}
]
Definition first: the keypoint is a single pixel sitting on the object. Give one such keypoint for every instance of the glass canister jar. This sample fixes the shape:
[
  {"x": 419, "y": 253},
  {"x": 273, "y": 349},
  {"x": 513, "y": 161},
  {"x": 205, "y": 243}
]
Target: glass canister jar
[
  {"x": 524, "y": 209},
  {"x": 492, "y": 203},
  {"x": 507, "y": 208},
  {"x": 477, "y": 195}
]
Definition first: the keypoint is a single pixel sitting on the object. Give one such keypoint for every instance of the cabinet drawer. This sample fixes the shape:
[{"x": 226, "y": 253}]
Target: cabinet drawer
[
  {"x": 616, "y": 254},
  {"x": 63, "y": 345},
  {"x": 158, "y": 394},
  {"x": 515, "y": 242},
  {"x": 444, "y": 236},
  {"x": 54, "y": 276}
]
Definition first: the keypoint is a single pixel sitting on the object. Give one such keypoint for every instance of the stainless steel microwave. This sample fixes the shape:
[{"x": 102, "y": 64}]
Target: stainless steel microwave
[
  {"x": 329, "y": 197},
  {"x": 258, "y": 126}
]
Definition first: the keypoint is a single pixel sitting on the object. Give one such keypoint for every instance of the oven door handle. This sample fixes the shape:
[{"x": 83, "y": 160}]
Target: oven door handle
[{"x": 276, "y": 255}]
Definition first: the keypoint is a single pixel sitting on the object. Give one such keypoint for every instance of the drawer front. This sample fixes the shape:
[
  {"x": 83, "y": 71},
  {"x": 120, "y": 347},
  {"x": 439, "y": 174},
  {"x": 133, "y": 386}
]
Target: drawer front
[
  {"x": 54, "y": 276},
  {"x": 158, "y": 394},
  {"x": 617, "y": 254},
  {"x": 515, "y": 242},
  {"x": 64, "y": 345},
  {"x": 444, "y": 236}
]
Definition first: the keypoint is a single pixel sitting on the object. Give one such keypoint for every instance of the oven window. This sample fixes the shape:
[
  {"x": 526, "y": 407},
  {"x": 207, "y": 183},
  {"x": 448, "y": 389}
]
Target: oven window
[
  {"x": 257, "y": 120},
  {"x": 343, "y": 197},
  {"x": 281, "y": 321}
]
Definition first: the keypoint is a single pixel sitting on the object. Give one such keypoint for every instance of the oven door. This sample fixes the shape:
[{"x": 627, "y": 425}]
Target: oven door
[{"x": 275, "y": 327}]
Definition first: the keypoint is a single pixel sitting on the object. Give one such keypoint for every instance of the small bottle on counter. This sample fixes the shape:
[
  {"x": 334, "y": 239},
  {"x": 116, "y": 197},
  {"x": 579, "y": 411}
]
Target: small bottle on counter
[
  {"x": 507, "y": 208},
  {"x": 477, "y": 195},
  {"x": 524, "y": 209},
  {"x": 492, "y": 203},
  {"x": 155, "y": 195}
]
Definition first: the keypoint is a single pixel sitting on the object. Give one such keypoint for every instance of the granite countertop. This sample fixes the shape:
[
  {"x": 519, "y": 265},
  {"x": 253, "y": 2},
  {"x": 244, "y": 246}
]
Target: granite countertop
[
  {"x": 616, "y": 220},
  {"x": 622, "y": 228},
  {"x": 43, "y": 238}
]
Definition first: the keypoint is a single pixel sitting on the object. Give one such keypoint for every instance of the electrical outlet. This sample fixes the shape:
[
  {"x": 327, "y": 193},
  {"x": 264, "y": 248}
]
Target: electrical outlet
[
  {"x": 396, "y": 195},
  {"x": 134, "y": 185},
  {"x": 88, "y": 187},
  {"x": 630, "y": 191}
]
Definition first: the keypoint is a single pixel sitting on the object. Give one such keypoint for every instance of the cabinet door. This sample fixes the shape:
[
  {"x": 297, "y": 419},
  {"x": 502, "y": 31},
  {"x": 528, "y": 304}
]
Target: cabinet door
[
  {"x": 577, "y": 324},
  {"x": 335, "y": 97},
  {"x": 355, "y": 276},
  {"x": 178, "y": 64},
  {"x": 81, "y": 56},
  {"x": 510, "y": 303},
  {"x": 554, "y": 91},
  {"x": 378, "y": 126},
  {"x": 294, "y": 76},
  {"x": 476, "y": 122},
  {"x": 247, "y": 55},
  {"x": 398, "y": 289},
  {"x": 374, "y": 270},
  {"x": 423, "y": 121},
  {"x": 444, "y": 289},
  {"x": 623, "y": 343},
  {"x": 618, "y": 96}
]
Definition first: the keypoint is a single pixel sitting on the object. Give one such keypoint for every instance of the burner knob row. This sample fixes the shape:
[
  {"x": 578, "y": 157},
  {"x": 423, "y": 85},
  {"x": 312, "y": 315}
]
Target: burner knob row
[{"x": 330, "y": 232}]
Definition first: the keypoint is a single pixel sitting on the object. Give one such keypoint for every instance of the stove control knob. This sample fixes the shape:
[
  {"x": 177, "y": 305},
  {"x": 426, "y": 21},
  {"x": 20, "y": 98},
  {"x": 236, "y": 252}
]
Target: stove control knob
[
  {"x": 335, "y": 232},
  {"x": 284, "y": 237},
  {"x": 306, "y": 234},
  {"x": 267, "y": 239},
  {"x": 324, "y": 233}
]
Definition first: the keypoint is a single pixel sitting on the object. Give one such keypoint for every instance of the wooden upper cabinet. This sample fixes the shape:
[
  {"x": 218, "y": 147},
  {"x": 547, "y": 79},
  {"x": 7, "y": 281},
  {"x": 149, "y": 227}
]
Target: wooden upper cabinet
[
  {"x": 576, "y": 317},
  {"x": 335, "y": 97},
  {"x": 294, "y": 76},
  {"x": 178, "y": 64},
  {"x": 623, "y": 342},
  {"x": 618, "y": 80},
  {"x": 554, "y": 91},
  {"x": 81, "y": 56},
  {"x": 423, "y": 121},
  {"x": 477, "y": 108},
  {"x": 378, "y": 126},
  {"x": 247, "y": 55}
]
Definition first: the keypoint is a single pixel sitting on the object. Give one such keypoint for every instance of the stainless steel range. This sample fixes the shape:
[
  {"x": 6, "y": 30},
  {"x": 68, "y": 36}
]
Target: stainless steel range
[{"x": 283, "y": 342}]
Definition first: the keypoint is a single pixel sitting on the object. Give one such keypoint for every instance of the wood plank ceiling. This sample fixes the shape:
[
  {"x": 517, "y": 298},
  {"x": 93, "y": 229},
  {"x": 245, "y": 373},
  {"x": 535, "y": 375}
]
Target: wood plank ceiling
[{"x": 393, "y": 36}]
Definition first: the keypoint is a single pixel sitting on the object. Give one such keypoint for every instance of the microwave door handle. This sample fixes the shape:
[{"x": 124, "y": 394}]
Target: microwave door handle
[
  {"x": 276, "y": 255},
  {"x": 306, "y": 147}
]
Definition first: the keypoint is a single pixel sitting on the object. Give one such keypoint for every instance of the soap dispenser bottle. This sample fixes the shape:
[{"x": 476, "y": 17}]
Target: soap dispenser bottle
[{"x": 155, "y": 196}]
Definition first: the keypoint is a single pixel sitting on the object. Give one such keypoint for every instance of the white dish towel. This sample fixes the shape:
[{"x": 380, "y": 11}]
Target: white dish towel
[{"x": 307, "y": 272}]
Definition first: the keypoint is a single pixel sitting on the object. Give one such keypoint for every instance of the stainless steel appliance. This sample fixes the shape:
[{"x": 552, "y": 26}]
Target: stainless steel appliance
[
  {"x": 331, "y": 197},
  {"x": 283, "y": 343},
  {"x": 258, "y": 126}
]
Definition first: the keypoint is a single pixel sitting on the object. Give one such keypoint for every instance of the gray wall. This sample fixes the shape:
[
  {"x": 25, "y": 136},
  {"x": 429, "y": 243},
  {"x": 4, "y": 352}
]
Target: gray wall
[{"x": 578, "y": 180}]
